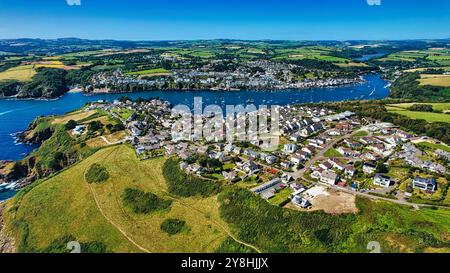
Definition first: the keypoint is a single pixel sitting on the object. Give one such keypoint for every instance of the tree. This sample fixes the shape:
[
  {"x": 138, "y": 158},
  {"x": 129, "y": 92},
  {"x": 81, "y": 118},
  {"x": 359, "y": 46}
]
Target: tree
[{"x": 71, "y": 124}]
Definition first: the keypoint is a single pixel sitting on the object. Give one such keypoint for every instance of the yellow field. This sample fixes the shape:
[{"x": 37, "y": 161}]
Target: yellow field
[
  {"x": 435, "y": 80},
  {"x": 351, "y": 64},
  {"x": 66, "y": 204},
  {"x": 77, "y": 115},
  {"x": 21, "y": 73}
]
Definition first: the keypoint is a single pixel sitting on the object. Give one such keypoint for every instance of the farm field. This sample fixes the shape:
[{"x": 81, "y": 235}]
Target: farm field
[
  {"x": 435, "y": 80},
  {"x": 154, "y": 72},
  {"x": 430, "y": 117},
  {"x": 442, "y": 106},
  {"x": 21, "y": 73},
  {"x": 101, "y": 215}
]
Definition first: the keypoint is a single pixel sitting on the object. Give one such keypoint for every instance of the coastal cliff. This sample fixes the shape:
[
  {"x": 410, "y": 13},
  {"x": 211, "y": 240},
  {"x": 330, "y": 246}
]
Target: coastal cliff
[{"x": 7, "y": 244}]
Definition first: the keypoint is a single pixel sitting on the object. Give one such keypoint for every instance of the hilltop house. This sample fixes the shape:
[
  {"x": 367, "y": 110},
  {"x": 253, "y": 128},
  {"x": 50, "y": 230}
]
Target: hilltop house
[
  {"x": 382, "y": 180},
  {"x": 426, "y": 184}
]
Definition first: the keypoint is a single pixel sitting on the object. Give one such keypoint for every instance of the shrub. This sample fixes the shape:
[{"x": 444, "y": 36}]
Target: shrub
[
  {"x": 71, "y": 124},
  {"x": 96, "y": 174},
  {"x": 173, "y": 226},
  {"x": 184, "y": 185},
  {"x": 144, "y": 202}
]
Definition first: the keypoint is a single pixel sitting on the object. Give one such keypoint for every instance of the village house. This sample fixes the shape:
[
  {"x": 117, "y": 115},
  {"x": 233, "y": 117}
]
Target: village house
[
  {"x": 425, "y": 184},
  {"x": 347, "y": 152},
  {"x": 290, "y": 148},
  {"x": 350, "y": 170},
  {"x": 336, "y": 163},
  {"x": 369, "y": 168},
  {"x": 229, "y": 175},
  {"x": 382, "y": 180},
  {"x": 301, "y": 202},
  {"x": 329, "y": 177},
  {"x": 325, "y": 165}
]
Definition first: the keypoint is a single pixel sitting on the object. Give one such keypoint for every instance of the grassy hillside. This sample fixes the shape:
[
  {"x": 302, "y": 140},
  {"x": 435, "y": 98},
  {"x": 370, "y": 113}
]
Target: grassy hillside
[
  {"x": 67, "y": 205},
  {"x": 274, "y": 229}
]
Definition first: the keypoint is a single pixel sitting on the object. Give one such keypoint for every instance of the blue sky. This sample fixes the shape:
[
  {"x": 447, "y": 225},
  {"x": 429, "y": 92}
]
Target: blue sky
[{"x": 243, "y": 19}]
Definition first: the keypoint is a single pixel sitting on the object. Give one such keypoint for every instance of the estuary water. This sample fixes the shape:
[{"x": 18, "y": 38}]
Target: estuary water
[{"x": 15, "y": 115}]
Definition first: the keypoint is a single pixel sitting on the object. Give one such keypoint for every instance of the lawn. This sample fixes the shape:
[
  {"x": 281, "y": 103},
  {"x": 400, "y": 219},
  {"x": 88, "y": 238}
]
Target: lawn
[
  {"x": 65, "y": 204},
  {"x": 21, "y": 73},
  {"x": 280, "y": 197},
  {"x": 332, "y": 153},
  {"x": 361, "y": 134}
]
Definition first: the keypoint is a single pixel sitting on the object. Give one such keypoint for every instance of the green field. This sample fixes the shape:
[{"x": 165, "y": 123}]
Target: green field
[
  {"x": 442, "y": 106},
  {"x": 156, "y": 71},
  {"x": 433, "y": 146},
  {"x": 430, "y": 117},
  {"x": 66, "y": 205}
]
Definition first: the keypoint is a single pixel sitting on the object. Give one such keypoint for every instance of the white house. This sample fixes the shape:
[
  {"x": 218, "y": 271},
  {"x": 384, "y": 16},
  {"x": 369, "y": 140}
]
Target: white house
[{"x": 382, "y": 180}]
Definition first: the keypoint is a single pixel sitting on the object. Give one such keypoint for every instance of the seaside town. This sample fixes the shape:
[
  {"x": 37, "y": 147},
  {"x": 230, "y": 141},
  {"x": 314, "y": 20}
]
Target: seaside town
[
  {"x": 320, "y": 150},
  {"x": 256, "y": 75}
]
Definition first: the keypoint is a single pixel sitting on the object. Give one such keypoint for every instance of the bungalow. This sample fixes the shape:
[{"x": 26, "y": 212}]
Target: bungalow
[
  {"x": 301, "y": 202},
  {"x": 325, "y": 165},
  {"x": 350, "y": 170},
  {"x": 79, "y": 130},
  {"x": 426, "y": 184},
  {"x": 382, "y": 180},
  {"x": 308, "y": 149},
  {"x": 296, "y": 137},
  {"x": 368, "y": 140},
  {"x": 251, "y": 153},
  {"x": 237, "y": 150},
  {"x": 305, "y": 132},
  {"x": 369, "y": 168},
  {"x": 185, "y": 155},
  {"x": 334, "y": 132},
  {"x": 296, "y": 159},
  {"x": 287, "y": 164},
  {"x": 377, "y": 147},
  {"x": 347, "y": 152},
  {"x": 229, "y": 175},
  {"x": 251, "y": 167},
  {"x": 371, "y": 156},
  {"x": 229, "y": 148},
  {"x": 290, "y": 148},
  {"x": 202, "y": 150},
  {"x": 271, "y": 159},
  {"x": 329, "y": 177},
  {"x": 352, "y": 144},
  {"x": 336, "y": 164}
]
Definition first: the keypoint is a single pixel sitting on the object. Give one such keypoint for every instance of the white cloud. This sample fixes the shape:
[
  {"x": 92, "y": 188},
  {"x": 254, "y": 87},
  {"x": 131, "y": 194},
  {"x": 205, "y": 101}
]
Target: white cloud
[{"x": 73, "y": 2}]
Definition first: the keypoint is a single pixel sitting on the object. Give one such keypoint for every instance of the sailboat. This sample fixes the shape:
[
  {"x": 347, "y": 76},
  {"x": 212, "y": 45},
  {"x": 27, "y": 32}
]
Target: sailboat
[{"x": 373, "y": 92}]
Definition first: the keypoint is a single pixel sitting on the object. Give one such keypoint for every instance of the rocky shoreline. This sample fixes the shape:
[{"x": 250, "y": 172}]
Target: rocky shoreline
[{"x": 7, "y": 243}]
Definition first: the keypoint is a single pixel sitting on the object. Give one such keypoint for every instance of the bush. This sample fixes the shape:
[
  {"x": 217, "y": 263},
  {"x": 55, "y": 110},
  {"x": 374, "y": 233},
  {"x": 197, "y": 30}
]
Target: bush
[
  {"x": 96, "y": 174},
  {"x": 184, "y": 185},
  {"x": 144, "y": 202},
  {"x": 421, "y": 108},
  {"x": 173, "y": 226},
  {"x": 71, "y": 124}
]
